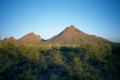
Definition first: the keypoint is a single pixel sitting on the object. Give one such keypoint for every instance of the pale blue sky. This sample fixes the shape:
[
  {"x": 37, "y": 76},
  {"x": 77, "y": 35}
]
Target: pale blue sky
[{"x": 49, "y": 17}]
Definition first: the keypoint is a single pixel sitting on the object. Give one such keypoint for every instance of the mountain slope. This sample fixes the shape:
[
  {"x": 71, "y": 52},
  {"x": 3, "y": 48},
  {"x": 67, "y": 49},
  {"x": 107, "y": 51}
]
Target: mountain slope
[
  {"x": 30, "y": 37},
  {"x": 72, "y": 35}
]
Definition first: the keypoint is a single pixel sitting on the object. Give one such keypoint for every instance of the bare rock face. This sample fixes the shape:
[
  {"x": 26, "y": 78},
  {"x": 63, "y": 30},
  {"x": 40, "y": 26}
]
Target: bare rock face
[
  {"x": 72, "y": 35},
  {"x": 30, "y": 37}
]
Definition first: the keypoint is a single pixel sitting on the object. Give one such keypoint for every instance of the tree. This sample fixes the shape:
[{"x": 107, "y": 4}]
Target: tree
[
  {"x": 78, "y": 69},
  {"x": 58, "y": 58}
]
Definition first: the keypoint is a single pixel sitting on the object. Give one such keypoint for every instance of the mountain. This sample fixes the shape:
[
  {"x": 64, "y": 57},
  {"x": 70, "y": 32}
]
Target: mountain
[
  {"x": 9, "y": 38},
  {"x": 30, "y": 38},
  {"x": 72, "y": 35}
]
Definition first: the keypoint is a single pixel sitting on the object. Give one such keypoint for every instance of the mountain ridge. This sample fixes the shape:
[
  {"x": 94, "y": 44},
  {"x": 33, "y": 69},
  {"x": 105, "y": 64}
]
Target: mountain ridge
[
  {"x": 71, "y": 35},
  {"x": 30, "y": 37}
]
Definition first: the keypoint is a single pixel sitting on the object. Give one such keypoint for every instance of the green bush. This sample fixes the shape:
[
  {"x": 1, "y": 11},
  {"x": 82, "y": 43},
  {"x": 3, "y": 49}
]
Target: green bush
[{"x": 42, "y": 61}]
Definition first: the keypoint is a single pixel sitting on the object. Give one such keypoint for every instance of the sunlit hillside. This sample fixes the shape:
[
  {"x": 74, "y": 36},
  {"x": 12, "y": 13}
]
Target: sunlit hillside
[{"x": 45, "y": 60}]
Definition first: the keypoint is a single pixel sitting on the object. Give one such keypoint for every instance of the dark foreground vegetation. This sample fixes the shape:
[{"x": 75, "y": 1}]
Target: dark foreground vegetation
[{"x": 86, "y": 61}]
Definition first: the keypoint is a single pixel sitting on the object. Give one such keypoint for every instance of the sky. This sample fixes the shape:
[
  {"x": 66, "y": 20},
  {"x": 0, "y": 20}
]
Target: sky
[{"x": 49, "y": 17}]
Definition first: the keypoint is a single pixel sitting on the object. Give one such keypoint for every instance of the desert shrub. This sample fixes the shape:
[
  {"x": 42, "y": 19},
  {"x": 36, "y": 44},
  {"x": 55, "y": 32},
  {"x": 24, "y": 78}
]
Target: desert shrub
[
  {"x": 42, "y": 61},
  {"x": 77, "y": 68}
]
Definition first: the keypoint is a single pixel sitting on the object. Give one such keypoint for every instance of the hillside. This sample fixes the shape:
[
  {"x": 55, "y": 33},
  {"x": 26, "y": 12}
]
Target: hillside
[
  {"x": 89, "y": 61},
  {"x": 30, "y": 38},
  {"x": 93, "y": 59},
  {"x": 72, "y": 35}
]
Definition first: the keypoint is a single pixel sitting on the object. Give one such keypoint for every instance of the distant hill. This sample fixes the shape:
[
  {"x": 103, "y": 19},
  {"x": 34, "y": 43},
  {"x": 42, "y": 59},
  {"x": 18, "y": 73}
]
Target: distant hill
[
  {"x": 30, "y": 38},
  {"x": 9, "y": 38},
  {"x": 72, "y": 35}
]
